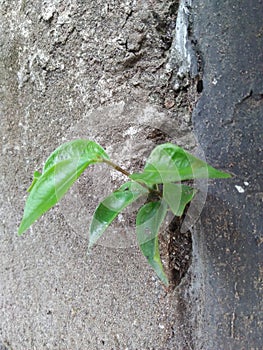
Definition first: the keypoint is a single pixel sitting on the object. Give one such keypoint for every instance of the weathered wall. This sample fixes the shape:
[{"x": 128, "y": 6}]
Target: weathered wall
[
  {"x": 107, "y": 71},
  {"x": 99, "y": 70},
  {"x": 228, "y": 124}
]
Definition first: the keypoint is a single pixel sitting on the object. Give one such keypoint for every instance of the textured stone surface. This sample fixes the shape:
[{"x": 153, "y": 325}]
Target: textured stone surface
[
  {"x": 92, "y": 69},
  {"x": 228, "y": 124},
  {"x": 114, "y": 71}
]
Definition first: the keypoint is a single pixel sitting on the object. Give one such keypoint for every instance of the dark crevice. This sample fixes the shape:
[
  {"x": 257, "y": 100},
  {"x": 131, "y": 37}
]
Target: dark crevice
[
  {"x": 198, "y": 65},
  {"x": 180, "y": 251},
  {"x": 176, "y": 251},
  {"x": 199, "y": 86},
  {"x": 175, "y": 246}
]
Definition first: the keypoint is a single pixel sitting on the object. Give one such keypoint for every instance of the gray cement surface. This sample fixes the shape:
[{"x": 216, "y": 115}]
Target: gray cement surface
[
  {"x": 116, "y": 72},
  {"x": 228, "y": 124},
  {"x": 97, "y": 70}
]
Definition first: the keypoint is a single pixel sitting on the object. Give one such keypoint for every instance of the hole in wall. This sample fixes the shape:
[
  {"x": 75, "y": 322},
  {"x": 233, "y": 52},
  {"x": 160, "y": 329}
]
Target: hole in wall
[{"x": 199, "y": 86}]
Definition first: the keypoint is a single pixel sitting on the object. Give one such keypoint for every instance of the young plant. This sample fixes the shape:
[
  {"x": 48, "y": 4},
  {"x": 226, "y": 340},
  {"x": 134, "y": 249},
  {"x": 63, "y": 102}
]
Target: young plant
[{"x": 161, "y": 180}]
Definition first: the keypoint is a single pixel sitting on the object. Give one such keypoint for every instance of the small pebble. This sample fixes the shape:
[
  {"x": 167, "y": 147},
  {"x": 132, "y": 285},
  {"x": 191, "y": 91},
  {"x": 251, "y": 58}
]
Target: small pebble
[{"x": 239, "y": 189}]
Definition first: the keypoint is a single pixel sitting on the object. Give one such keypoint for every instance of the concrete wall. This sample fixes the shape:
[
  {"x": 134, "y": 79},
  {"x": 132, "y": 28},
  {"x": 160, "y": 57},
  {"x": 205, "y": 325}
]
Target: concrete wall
[{"x": 119, "y": 73}]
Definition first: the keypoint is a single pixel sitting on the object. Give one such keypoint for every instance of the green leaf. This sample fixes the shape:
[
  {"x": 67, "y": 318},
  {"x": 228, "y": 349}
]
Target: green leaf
[
  {"x": 111, "y": 206},
  {"x": 83, "y": 151},
  {"x": 61, "y": 170},
  {"x": 170, "y": 163},
  {"x": 177, "y": 197},
  {"x": 148, "y": 222}
]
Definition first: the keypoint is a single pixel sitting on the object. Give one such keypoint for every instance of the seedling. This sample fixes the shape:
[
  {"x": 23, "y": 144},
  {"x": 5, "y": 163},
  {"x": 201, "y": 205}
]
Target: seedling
[{"x": 161, "y": 181}]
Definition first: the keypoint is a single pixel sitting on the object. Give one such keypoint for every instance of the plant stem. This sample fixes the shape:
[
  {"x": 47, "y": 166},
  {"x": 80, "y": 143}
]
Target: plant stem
[
  {"x": 126, "y": 173},
  {"x": 116, "y": 167}
]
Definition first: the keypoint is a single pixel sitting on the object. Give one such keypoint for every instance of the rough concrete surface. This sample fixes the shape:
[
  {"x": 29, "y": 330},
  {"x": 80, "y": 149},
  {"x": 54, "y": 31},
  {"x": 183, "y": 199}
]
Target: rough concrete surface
[
  {"x": 228, "y": 124},
  {"x": 127, "y": 75},
  {"x": 92, "y": 69}
]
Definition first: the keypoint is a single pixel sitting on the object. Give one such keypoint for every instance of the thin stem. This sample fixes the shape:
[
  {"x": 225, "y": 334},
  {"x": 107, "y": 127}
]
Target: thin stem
[
  {"x": 116, "y": 167},
  {"x": 126, "y": 173}
]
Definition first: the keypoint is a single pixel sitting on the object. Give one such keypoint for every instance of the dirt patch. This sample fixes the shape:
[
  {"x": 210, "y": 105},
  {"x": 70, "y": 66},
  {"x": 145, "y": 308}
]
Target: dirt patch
[
  {"x": 176, "y": 251},
  {"x": 180, "y": 251}
]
